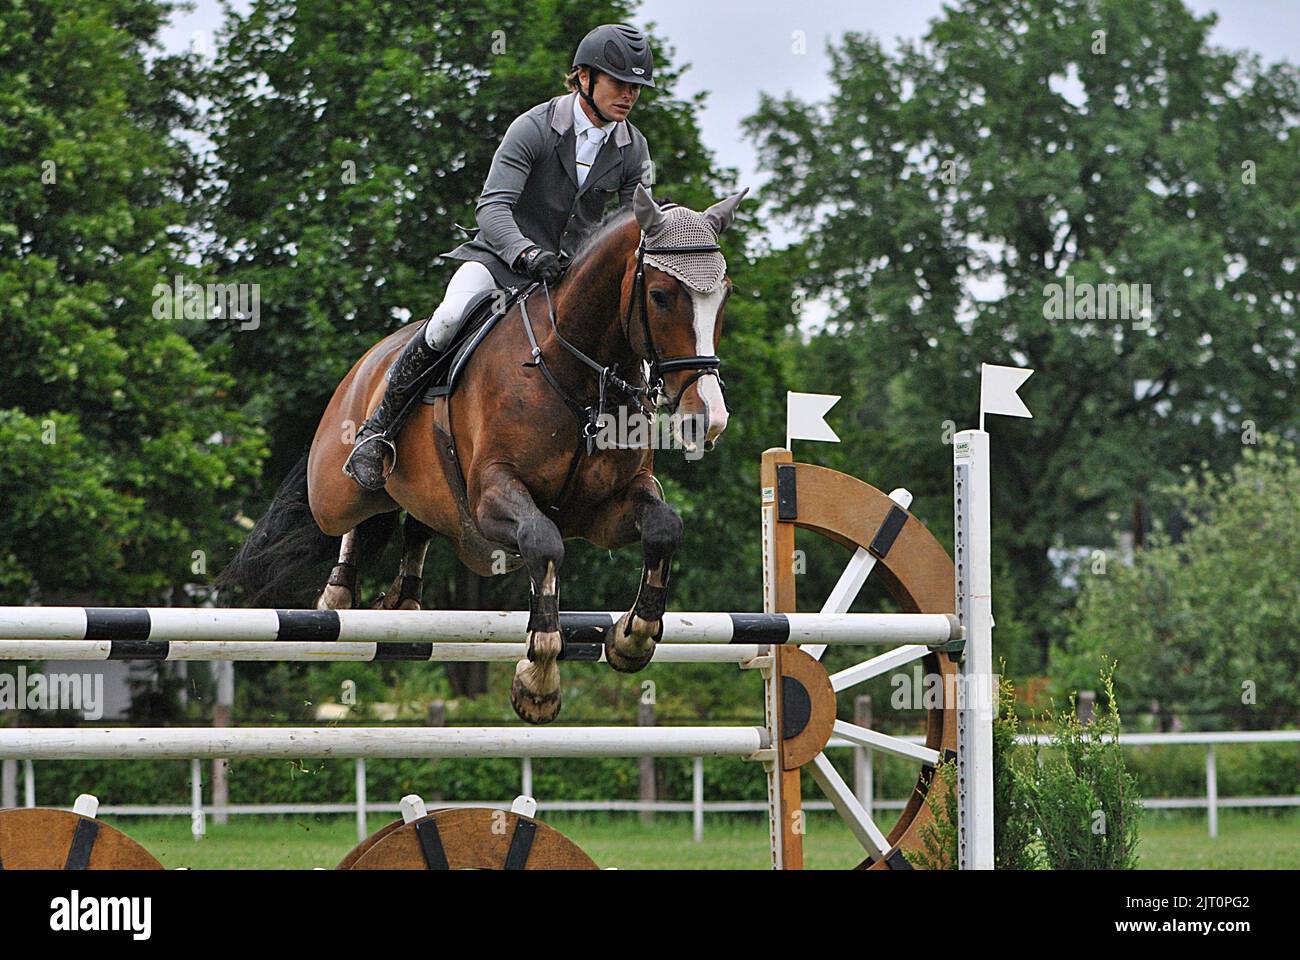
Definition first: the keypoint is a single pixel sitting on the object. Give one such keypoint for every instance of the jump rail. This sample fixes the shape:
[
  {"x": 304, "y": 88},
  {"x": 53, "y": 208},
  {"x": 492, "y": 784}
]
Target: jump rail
[
  {"x": 346, "y": 651},
  {"x": 179, "y": 743},
  {"x": 143, "y": 632}
]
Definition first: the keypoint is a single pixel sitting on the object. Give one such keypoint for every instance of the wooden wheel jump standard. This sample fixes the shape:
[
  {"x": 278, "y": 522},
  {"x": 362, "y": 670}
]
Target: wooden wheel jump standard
[
  {"x": 36, "y": 838},
  {"x": 918, "y": 573},
  {"x": 471, "y": 838}
]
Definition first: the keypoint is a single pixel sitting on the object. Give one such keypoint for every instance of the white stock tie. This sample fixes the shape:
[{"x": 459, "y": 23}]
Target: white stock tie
[{"x": 588, "y": 147}]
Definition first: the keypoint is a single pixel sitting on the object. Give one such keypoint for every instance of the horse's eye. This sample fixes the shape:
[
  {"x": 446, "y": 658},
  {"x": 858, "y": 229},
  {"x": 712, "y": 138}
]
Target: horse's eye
[{"x": 660, "y": 298}]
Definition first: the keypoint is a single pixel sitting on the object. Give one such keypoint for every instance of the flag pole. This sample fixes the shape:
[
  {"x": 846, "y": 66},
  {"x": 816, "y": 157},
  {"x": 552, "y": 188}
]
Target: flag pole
[
  {"x": 787, "y": 420},
  {"x": 982, "y": 366}
]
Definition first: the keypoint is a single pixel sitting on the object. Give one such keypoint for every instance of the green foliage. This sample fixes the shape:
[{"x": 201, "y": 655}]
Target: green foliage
[
  {"x": 1015, "y": 830},
  {"x": 1242, "y": 770},
  {"x": 939, "y": 837},
  {"x": 1014, "y": 826},
  {"x": 333, "y": 781},
  {"x": 1084, "y": 802},
  {"x": 944, "y": 187},
  {"x": 1205, "y": 625},
  {"x": 122, "y": 455}
]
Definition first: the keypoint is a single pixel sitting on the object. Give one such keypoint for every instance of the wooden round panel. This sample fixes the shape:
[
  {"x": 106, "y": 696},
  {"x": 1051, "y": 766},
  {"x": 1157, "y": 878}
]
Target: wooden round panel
[
  {"x": 919, "y": 576},
  {"x": 475, "y": 838},
  {"x": 40, "y": 839},
  {"x": 809, "y": 700},
  {"x": 362, "y": 848}
]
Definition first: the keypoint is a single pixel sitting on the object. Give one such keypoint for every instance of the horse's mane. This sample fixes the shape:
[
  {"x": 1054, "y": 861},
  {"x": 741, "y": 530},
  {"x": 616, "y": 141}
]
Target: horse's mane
[{"x": 611, "y": 223}]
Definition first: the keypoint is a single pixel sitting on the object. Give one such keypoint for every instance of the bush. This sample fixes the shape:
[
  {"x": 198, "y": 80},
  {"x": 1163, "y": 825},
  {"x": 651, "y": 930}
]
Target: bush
[
  {"x": 1083, "y": 801},
  {"x": 1014, "y": 828}
]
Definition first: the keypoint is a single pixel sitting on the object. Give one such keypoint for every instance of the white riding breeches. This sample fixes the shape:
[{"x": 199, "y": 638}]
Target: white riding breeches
[{"x": 470, "y": 279}]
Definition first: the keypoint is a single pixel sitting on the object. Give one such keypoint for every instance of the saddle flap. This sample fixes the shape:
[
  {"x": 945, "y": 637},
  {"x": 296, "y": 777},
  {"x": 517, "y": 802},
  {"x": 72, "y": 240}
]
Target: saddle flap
[{"x": 479, "y": 320}]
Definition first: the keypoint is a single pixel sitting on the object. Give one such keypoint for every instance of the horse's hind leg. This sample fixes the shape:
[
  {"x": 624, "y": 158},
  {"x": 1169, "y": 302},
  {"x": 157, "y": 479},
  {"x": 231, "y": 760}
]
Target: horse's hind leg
[
  {"x": 507, "y": 514},
  {"x": 341, "y": 588},
  {"x": 404, "y": 593}
]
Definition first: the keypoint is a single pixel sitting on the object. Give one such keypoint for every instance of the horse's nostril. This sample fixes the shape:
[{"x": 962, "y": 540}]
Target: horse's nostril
[{"x": 709, "y": 445}]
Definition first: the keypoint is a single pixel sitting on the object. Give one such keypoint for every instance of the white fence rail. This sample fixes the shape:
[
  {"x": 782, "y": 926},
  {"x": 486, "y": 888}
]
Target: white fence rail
[{"x": 697, "y": 806}]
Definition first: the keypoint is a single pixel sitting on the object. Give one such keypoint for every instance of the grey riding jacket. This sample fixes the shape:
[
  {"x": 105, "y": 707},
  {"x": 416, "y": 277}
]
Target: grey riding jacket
[{"x": 531, "y": 195}]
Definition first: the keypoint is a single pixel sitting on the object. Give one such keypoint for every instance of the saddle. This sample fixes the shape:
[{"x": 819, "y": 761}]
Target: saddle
[{"x": 479, "y": 319}]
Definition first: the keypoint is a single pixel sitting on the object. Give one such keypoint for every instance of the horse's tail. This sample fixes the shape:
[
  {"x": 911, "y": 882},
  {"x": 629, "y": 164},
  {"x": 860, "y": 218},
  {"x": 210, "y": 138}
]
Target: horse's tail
[{"x": 285, "y": 560}]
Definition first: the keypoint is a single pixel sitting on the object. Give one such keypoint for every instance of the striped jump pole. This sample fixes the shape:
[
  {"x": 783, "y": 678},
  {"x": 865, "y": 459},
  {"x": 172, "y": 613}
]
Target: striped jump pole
[
  {"x": 347, "y": 651},
  {"x": 179, "y": 743},
  {"x": 146, "y": 632}
]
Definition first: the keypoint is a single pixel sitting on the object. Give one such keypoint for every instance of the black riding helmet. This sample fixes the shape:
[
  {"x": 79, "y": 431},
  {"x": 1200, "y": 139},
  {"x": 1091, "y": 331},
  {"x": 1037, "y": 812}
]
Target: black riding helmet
[{"x": 616, "y": 49}]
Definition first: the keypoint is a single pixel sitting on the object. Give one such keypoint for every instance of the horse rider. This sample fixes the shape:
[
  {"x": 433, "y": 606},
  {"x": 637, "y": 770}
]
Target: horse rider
[{"x": 549, "y": 184}]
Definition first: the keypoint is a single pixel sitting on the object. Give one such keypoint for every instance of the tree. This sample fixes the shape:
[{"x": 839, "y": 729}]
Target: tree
[
  {"x": 1207, "y": 629},
  {"x": 121, "y": 451},
  {"x": 1024, "y": 144}
]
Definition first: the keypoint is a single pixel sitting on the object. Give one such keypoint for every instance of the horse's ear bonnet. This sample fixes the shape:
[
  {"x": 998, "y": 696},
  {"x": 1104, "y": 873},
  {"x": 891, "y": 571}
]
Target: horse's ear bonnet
[
  {"x": 676, "y": 226},
  {"x": 682, "y": 227}
]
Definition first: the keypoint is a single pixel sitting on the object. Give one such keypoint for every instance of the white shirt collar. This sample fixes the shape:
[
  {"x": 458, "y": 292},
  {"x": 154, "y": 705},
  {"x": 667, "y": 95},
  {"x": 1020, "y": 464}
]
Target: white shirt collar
[{"x": 582, "y": 123}]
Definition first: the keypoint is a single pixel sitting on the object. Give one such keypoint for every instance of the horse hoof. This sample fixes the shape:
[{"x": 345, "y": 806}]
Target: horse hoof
[
  {"x": 532, "y": 708},
  {"x": 382, "y": 602},
  {"x": 626, "y": 663}
]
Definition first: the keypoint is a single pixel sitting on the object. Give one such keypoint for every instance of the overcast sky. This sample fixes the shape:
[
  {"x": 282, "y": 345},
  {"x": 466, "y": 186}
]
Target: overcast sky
[{"x": 737, "y": 48}]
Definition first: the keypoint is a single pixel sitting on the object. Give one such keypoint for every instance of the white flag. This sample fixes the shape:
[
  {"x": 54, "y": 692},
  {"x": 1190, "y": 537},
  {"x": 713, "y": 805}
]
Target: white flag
[
  {"x": 805, "y": 417},
  {"x": 998, "y": 386}
]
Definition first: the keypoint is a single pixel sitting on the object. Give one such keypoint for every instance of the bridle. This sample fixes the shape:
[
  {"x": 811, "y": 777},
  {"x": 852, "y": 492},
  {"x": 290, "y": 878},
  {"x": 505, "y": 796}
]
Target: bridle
[
  {"x": 651, "y": 396},
  {"x": 703, "y": 366}
]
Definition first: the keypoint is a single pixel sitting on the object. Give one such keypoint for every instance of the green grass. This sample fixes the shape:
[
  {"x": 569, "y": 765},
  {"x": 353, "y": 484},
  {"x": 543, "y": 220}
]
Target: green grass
[{"x": 1247, "y": 840}]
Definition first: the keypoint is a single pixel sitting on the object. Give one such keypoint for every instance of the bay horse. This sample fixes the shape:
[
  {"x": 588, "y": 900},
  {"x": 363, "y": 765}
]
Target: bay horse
[{"x": 643, "y": 300}]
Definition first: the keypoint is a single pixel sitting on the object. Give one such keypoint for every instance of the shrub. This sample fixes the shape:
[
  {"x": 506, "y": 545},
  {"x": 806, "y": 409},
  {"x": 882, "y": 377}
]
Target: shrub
[{"x": 1083, "y": 801}]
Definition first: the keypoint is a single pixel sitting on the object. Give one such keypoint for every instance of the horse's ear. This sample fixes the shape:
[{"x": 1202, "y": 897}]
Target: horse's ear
[
  {"x": 648, "y": 214},
  {"x": 723, "y": 212}
]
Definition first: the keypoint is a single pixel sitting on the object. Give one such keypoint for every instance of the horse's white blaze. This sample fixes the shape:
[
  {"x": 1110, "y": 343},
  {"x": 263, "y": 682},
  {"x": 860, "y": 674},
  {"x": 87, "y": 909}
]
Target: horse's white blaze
[{"x": 707, "y": 306}]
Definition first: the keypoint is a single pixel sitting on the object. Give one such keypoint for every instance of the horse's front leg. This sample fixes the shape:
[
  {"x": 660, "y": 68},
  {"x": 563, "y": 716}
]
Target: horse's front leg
[
  {"x": 507, "y": 514},
  {"x": 631, "y": 643}
]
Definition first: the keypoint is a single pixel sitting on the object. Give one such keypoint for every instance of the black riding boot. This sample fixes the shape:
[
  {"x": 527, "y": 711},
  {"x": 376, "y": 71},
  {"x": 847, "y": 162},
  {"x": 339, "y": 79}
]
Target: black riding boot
[{"x": 366, "y": 464}]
